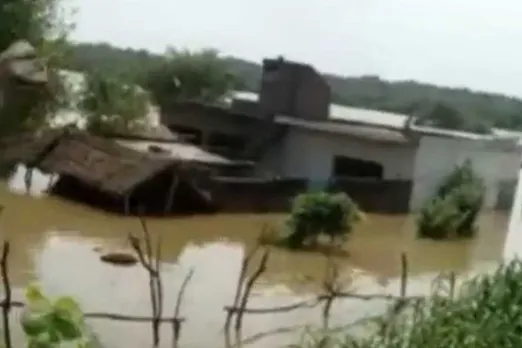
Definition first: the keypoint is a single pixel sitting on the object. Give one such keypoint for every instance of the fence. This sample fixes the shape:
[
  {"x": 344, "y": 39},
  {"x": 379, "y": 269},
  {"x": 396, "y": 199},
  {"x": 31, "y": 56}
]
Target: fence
[{"x": 149, "y": 257}]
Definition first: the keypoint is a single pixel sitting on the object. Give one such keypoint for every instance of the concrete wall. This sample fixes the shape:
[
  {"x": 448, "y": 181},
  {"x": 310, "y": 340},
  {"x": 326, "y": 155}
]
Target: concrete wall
[
  {"x": 310, "y": 154},
  {"x": 438, "y": 156}
]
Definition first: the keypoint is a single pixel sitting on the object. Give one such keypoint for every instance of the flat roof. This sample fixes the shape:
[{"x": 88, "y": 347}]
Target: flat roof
[
  {"x": 371, "y": 124},
  {"x": 367, "y": 116},
  {"x": 377, "y": 134}
]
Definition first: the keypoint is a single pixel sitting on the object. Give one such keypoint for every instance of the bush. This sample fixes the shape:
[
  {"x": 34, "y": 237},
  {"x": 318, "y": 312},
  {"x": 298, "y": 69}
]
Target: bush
[
  {"x": 315, "y": 214},
  {"x": 486, "y": 312},
  {"x": 455, "y": 208}
]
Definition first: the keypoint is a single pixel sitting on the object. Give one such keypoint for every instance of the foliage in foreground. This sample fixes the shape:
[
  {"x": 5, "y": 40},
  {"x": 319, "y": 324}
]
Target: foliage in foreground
[
  {"x": 454, "y": 209},
  {"x": 58, "y": 323},
  {"x": 485, "y": 313},
  {"x": 320, "y": 214}
]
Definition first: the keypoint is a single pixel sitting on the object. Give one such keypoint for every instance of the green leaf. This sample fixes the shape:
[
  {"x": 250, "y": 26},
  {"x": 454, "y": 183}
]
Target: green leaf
[
  {"x": 36, "y": 300},
  {"x": 68, "y": 305},
  {"x": 66, "y": 326},
  {"x": 35, "y": 324},
  {"x": 44, "y": 340}
]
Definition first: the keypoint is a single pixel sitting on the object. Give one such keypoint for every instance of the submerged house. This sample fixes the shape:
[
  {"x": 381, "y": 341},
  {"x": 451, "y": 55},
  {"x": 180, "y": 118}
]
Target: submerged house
[
  {"x": 148, "y": 173},
  {"x": 387, "y": 164}
]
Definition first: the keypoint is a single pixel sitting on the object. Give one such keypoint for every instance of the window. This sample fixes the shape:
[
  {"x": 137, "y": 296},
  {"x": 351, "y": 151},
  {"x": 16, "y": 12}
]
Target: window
[{"x": 353, "y": 167}]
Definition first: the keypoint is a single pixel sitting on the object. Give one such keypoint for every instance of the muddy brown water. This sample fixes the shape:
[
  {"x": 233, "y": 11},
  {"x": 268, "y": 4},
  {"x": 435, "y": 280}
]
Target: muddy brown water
[{"x": 58, "y": 243}]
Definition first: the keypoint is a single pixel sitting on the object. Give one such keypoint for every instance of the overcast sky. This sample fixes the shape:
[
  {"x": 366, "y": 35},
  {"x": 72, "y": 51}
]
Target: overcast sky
[{"x": 472, "y": 43}]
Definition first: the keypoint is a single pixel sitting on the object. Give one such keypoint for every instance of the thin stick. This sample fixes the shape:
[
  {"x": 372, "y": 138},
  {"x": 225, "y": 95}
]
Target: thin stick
[
  {"x": 155, "y": 284},
  {"x": 158, "y": 287},
  {"x": 176, "y": 325},
  {"x": 130, "y": 318},
  {"x": 280, "y": 309},
  {"x": 248, "y": 289},
  {"x": 240, "y": 281},
  {"x": 331, "y": 288},
  {"x": 6, "y": 308}
]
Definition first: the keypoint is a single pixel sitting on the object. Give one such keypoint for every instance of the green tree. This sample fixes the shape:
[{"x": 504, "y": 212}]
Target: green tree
[
  {"x": 184, "y": 75},
  {"x": 478, "y": 110},
  {"x": 110, "y": 105},
  {"x": 41, "y": 23}
]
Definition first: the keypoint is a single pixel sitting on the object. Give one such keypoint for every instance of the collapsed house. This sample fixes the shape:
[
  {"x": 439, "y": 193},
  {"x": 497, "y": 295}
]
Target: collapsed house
[{"x": 121, "y": 174}]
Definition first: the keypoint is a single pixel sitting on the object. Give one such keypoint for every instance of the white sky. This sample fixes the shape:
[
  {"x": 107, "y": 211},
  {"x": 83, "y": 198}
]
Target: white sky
[{"x": 471, "y": 43}]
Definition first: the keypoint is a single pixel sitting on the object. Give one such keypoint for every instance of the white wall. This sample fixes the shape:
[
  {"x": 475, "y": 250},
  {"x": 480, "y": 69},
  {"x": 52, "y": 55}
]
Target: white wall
[
  {"x": 438, "y": 156},
  {"x": 307, "y": 153}
]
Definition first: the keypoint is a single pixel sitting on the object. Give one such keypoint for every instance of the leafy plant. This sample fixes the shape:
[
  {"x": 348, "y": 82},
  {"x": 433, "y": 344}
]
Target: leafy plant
[
  {"x": 486, "y": 312},
  {"x": 454, "y": 209},
  {"x": 201, "y": 76},
  {"x": 321, "y": 213},
  {"x": 112, "y": 106},
  {"x": 49, "y": 324}
]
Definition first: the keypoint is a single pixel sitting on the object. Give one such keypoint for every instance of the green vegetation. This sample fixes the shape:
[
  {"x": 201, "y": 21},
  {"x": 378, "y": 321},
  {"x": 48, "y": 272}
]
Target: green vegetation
[
  {"x": 201, "y": 76},
  {"x": 319, "y": 214},
  {"x": 454, "y": 209},
  {"x": 206, "y": 76},
  {"x": 55, "y": 323},
  {"x": 444, "y": 107},
  {"x": 486, "y": 312},
  {"x": 111, "y": 106},
  {"x": 40, "y": 22}
]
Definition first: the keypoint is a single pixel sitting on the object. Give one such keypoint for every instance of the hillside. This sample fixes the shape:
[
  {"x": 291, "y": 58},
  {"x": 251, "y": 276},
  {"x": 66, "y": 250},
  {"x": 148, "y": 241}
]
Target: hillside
[{"x": 367, "y": 91}]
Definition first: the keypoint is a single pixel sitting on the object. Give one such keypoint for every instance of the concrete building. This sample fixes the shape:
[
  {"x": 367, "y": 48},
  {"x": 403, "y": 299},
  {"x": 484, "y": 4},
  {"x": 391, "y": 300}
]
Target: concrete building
[{"x": 292, "y": 130}]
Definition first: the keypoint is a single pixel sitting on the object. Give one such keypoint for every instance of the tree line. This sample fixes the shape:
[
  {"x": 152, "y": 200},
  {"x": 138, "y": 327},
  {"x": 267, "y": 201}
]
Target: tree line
[
  {"x": 451, "y": 108},
  {"x": 120, "y": 81}
]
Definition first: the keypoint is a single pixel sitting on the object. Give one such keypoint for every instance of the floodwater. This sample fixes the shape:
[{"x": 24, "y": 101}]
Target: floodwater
[{"x": 58, "y": 244}]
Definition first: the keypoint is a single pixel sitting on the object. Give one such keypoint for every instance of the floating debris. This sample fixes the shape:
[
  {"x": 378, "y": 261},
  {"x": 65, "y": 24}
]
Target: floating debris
[{"x": 119, "y": 258}]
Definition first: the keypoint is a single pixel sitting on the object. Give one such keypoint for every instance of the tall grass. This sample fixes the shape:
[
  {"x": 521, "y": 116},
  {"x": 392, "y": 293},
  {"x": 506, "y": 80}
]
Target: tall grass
[{"x": 485, "y": 312}]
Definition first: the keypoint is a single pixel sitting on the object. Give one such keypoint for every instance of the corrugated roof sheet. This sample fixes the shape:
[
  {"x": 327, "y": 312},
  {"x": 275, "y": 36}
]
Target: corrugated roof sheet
[
  {"x": 378, "y": 134},
  {"x": 367, "y": 116},
  {"x": 369, "y": 121},
  {"x": 177, "y": 151}
]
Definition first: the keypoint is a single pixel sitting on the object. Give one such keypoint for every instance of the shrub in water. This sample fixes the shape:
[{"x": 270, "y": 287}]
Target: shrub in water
[
  {"x": 456, "y": 206},
  {"x": 321, "y": 213}
]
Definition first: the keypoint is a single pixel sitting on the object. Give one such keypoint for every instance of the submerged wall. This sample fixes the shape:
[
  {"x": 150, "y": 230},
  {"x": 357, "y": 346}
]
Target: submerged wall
[
  {"x": 257, "y": 195},
  {"x": 437, "y": 157}
]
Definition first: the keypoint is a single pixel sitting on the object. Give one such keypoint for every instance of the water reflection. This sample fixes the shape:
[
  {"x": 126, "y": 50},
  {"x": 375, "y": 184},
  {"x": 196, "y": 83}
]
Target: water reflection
[{"x": 57, "y": 243}]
